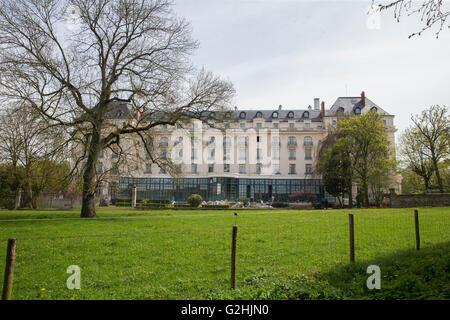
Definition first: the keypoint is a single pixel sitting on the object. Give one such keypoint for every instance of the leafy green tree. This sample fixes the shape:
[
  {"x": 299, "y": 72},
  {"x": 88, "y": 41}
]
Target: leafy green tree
[
  {"x": 334, "y": 166},
  {"x": 195, "y": 200},
  {"x": 415, "y": 156},
  {"x": 363, "y": 141},
  {"x": 432, "y": 135}
]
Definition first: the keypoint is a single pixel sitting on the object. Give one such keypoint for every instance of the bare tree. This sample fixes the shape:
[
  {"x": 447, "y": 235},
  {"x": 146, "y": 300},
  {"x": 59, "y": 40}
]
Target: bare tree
[
  {"x": 26, "y": 142},
  {"x": 433, "y": 134},
  {"x": 431, "y": 12},
  {"x": 128, "y": 51},
  {"x": 416, "y": 156}
]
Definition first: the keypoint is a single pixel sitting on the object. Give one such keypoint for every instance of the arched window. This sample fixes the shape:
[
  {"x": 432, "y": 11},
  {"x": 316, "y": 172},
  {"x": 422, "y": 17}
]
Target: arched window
[
  {"x": 341, "y": 110},
  {"x": 258, "y": 115},
  {"x": 242, "y": 115},
  {"x": 306, "y": 114},
  {"x": 275, "y": 114},
  {"x": 307, "y": 141},
  {"x": 290, "y": 114},
  {"x": 374, "y": 109},
  {"x": 358, "y": 110}
]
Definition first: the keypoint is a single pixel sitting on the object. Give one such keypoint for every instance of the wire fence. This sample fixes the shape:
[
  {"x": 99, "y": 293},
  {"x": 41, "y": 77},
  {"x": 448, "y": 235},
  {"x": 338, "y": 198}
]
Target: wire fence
[{"x": 192, "y": 263}]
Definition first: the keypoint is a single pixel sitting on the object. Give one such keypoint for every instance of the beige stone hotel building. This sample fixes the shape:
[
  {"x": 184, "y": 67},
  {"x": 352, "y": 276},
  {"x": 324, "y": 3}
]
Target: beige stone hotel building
[{"x": 260, "y": 155}]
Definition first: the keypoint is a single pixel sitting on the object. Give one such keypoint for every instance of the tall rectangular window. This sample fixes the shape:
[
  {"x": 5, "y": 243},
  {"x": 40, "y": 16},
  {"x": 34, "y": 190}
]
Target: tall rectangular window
[
  {"x": 292, "y": 154},
  {"x": 308, "y": 168},
  {"x": 275, "y": 141},
  {"x": 241, "y": 154},
  {"x": 226, "y": 168},
  {"x": 308, "y": 154},
  {"x": 276, "y": 154},
  {"x": 292, "y": 169},
  {"x": 227, "y": 154},
  {"x": 211, "y": 154},
  {"x": 210, "y": 168},
  {"x": 258, "y": 153}
]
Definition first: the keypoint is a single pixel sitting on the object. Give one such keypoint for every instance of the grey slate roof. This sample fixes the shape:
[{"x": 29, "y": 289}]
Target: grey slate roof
[
  {"x": 298, "y": 115},
  {"x": 349, "y": 104}
]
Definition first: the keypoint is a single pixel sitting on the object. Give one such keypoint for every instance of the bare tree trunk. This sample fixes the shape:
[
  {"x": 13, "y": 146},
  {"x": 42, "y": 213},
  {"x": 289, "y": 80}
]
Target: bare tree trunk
[
  {"x": 426, "y": 181},
  {"x": 365, "y": 189},
  {"x": 89, "y": 178},
  {"x": 17, "y": 202},
  {"x": 350, "y": 194},
  {"x": 438, "y": 175}
]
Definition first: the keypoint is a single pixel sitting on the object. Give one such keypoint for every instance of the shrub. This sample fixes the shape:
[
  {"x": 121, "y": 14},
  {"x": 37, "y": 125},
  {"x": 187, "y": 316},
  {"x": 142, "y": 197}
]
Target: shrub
[
  {"x": 182, "y": 205},
  {"x": 280, "y": 205},
  {"x": 8, "y": 203},
  {"x": 216, "y": 206},
  {"x": 195, "y": 200}
]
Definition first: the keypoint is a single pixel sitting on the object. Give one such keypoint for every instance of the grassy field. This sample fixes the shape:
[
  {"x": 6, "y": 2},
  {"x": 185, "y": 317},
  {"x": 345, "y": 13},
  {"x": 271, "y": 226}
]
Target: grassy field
[{"x": 282, "y": 254}]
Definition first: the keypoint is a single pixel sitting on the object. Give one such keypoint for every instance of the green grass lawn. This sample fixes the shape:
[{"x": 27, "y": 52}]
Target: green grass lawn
[{"x": 281, "y": 254}]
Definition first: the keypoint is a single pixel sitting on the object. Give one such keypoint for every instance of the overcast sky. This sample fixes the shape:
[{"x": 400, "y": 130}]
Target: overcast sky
[{"x": 289, "y": 52}]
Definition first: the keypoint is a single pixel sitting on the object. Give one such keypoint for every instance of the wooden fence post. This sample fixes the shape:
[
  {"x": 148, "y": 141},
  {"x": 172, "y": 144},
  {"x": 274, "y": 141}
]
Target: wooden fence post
[
  {"x": 9, "y": 269},
  {"x": 352, "y": 237},
  {"x": 233, "y": 257},
  {"x": 416, "y": 222}
]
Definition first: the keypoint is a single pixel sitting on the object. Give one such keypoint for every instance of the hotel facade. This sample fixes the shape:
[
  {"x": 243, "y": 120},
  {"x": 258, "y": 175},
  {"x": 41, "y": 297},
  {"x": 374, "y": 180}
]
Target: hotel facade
[{"x": 260, "y": 155}]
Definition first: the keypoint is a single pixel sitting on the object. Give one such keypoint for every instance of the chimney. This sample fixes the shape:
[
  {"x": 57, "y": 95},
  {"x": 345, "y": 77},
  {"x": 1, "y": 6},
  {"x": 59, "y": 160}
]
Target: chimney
[
  {"x": 279, "y": 107},
  {"x": 316, "y": 103},
  {"x": 322, "y": 109},
  {"x": 363, "y": 99}
]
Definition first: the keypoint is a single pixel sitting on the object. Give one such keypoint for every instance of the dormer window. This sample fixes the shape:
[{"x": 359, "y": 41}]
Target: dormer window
[
  {"x": 374, "y": 109},
  {"x": 212, "y": 115},
  {"x": 242, "y": 115},
  {"x": 357, "y": 111},
  {"x": 275, "y": 115},
  {"x": 258, "y": 115},
  {"x": 290, "y": 114},
  {"x": 306, "y": 115}
]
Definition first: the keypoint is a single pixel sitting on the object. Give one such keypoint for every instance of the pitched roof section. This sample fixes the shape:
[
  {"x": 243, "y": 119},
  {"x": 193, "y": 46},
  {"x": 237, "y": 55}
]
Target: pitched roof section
[
  {"x": 349, "y": 104},
  {"x": 281, "y": 115}
]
